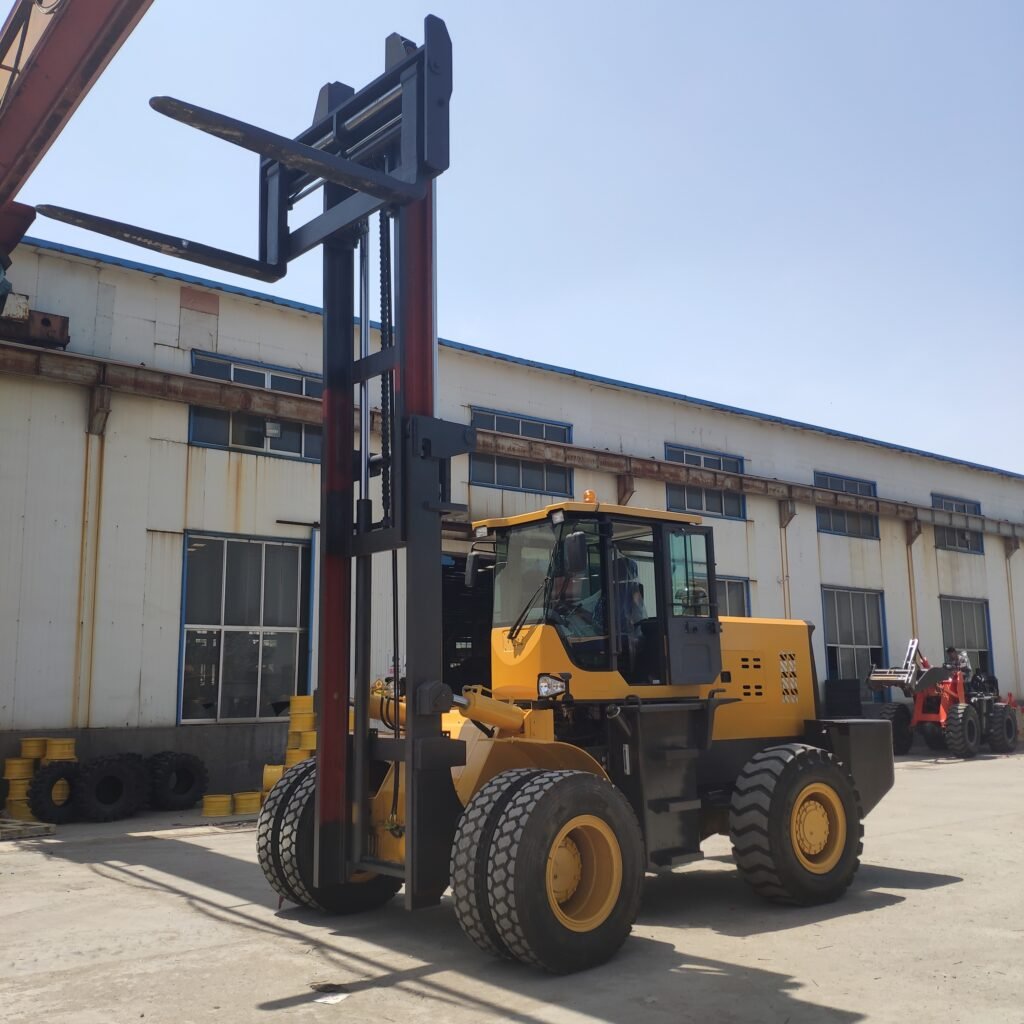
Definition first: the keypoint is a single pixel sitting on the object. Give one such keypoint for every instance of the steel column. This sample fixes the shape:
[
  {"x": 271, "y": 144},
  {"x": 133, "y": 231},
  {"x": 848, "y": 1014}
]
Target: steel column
[{"x": 336, "y": 517}]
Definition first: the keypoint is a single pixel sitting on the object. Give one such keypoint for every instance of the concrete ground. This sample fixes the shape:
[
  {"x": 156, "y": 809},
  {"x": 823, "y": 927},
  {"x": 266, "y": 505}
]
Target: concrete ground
[{"x": 171, "y": 921}]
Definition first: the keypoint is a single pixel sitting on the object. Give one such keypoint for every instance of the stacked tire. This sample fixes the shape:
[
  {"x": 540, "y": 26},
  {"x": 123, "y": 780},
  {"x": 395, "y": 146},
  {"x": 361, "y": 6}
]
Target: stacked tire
[{"x": 117, "y": 786}]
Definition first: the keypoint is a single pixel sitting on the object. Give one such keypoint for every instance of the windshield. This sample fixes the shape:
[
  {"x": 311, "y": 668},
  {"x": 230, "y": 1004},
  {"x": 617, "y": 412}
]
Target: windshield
[{"x": 523, "y": 564}]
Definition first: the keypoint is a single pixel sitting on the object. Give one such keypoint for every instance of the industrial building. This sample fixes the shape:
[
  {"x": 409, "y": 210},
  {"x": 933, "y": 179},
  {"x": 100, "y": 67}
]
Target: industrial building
[{"x": 159, "y": 499}]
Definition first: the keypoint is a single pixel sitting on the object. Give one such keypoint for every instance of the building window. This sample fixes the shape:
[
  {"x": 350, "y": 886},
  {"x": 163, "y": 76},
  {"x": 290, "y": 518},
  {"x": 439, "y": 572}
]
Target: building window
[
  {"x": 854, "y": 637},
  {"x": 704, "y": 500},
  {"x": 841, "y": 521},
  {"x": 952, "y": 538},
  {"x": 520, "y": 474},
  {"x": 222, "y": 429},
  {"x": 245, "y": 630},
  {"x": 732, "y": 596},
  {"x": 965, "y": 627}
]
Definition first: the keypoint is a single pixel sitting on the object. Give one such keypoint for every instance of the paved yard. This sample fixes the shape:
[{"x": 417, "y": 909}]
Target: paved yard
[{"x": 169, "y": 920}]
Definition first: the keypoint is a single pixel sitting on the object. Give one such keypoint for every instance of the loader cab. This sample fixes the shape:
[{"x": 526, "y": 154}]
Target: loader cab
[{"x": 626, "y": 595}]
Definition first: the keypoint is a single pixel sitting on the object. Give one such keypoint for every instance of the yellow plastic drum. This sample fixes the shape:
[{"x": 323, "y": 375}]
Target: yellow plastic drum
[
  {"x": 60, "y": 750},
  {"x": 34, "y": 746},
  {"x": 303, "y": 721},
  {"x": 248, "y": 802},
  {"x": 18, "y": 768},
  {"x": 308, "y": 740},
  {"x": 294, "y": 739},
  {"x": 271, "y": 774},
  {"x": 294, "y": 757},
  {"x": 215, "y": 805},
  {"x": 301, "y": 705}
]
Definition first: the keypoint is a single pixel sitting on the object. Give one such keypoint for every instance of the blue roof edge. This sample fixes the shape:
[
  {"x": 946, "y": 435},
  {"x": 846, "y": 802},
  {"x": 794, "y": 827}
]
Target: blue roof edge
[{"x": 460, "y": 346}]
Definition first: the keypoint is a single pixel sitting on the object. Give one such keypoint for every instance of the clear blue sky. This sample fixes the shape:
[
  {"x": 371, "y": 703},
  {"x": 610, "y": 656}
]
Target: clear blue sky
[{"x": 812, "y": 210}]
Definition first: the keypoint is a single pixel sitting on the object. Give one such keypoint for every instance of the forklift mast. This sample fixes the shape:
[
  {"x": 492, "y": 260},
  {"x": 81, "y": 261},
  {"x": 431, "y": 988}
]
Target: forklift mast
[{"x": 375, "y": 151}]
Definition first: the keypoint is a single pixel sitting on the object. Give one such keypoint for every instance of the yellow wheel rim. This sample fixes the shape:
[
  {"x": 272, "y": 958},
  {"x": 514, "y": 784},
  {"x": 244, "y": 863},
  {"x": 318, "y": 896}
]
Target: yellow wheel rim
[
  {"x": 584, "y": 873},
  {"x": 817, "y": 828}
]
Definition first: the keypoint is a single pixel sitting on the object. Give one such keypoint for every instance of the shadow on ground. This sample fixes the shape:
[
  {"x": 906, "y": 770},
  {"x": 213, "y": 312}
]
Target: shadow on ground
[{"x": 428, "y": 954}]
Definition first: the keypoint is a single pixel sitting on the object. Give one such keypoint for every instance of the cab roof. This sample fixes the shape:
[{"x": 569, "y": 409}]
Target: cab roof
[{"x": 587, "y": 507}]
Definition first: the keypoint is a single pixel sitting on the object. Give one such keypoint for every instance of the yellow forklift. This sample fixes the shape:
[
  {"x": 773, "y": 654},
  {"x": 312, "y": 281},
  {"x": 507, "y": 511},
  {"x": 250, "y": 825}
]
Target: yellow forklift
[
  {"x": 625, "y": 720},
  {"x": 625, "y": 723}
]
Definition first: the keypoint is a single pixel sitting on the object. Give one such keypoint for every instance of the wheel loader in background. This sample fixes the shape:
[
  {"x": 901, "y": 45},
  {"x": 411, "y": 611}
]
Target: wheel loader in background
[
  {"x": 951, "y": 711},
  {"x": 625, "y": 723}
]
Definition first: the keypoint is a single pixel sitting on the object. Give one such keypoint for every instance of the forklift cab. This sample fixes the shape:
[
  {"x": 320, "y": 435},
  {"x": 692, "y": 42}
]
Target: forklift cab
[{"x": 626, "y": 591}]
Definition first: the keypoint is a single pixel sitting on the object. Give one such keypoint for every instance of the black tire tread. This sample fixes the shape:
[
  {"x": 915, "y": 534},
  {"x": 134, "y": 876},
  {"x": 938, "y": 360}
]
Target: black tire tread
[
  {"x": 162, "y": 767},
  {"x": 502, "y": 859},
  {"x": 954, "y": 732},
  {"x": 998, "y": 740},
  {"x": 268, "y": 827},
  {"x": 131, "y": 771},
  {"x": 40, "y": 792},
  {"x": 355, "y": 897},
  {"x": 749, "y": 812},
  {"x": 470, "y": 856}
]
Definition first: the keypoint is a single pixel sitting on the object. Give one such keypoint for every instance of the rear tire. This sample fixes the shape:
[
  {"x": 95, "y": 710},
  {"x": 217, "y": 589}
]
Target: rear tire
[
  {"x": 295, "y": 850},
  {"x": 565, "y": 867},
  {"x": 471, "y": 851},
  {"x": 962, "y": 731},
  {"x": 898, "y": 717},
  {"x": 268, "y": 828},
  {"x": 50, "y": 792},
  {"x": 1002, "y": 733},
  {"x": 795, "y": 825}
]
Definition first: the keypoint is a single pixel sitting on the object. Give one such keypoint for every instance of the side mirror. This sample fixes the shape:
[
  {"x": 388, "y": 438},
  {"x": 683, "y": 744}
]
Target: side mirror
[
  {"x": 472, "y": 564},
  {"x": 574, "y": 553}
]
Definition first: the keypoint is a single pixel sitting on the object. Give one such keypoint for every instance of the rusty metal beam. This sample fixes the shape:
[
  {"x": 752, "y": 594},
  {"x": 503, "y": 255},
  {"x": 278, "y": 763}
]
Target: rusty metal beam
[
  {"x": 617, "y": 465},
  {"x": 91, "y": 372}
]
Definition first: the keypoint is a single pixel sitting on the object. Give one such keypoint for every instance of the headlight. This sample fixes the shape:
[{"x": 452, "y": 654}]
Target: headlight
[
  {"x": 480, "y": 531},
  {"x": 552, "y": 686}
]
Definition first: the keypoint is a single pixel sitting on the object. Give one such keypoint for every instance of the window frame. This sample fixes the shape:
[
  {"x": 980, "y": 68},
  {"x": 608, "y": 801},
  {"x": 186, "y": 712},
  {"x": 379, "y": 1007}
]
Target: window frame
[
  {"x": 842, "y": 588},
  {"x": 745, "y": 581},
  {"x": 872, "y": 484},
  {"x": 544, "y": 466},
  {"x": 269, "y": 370},
  {"x": 705, "y": 453},
  {"x": 984, "y": 602},
  {"x": 974, "y": 510},
  {"x": 302, "y": 632}
]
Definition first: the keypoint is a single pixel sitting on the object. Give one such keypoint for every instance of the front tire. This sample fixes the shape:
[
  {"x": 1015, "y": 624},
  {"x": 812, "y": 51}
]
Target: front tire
[
  {"x": 471, "y": 851},
  {"x": 268, "y": 828},
  {"x": 364, "y": 891},
  {"x": 795, "y": 825},
  {"x": 962, "y": 731},
  {"x": 565, "y": 867},
  {"x": 1002, "y": 733}
]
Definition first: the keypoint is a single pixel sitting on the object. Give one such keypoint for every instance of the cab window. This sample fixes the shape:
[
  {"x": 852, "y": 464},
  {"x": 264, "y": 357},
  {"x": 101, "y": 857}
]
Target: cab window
[{"x": 688, "y": 559}]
